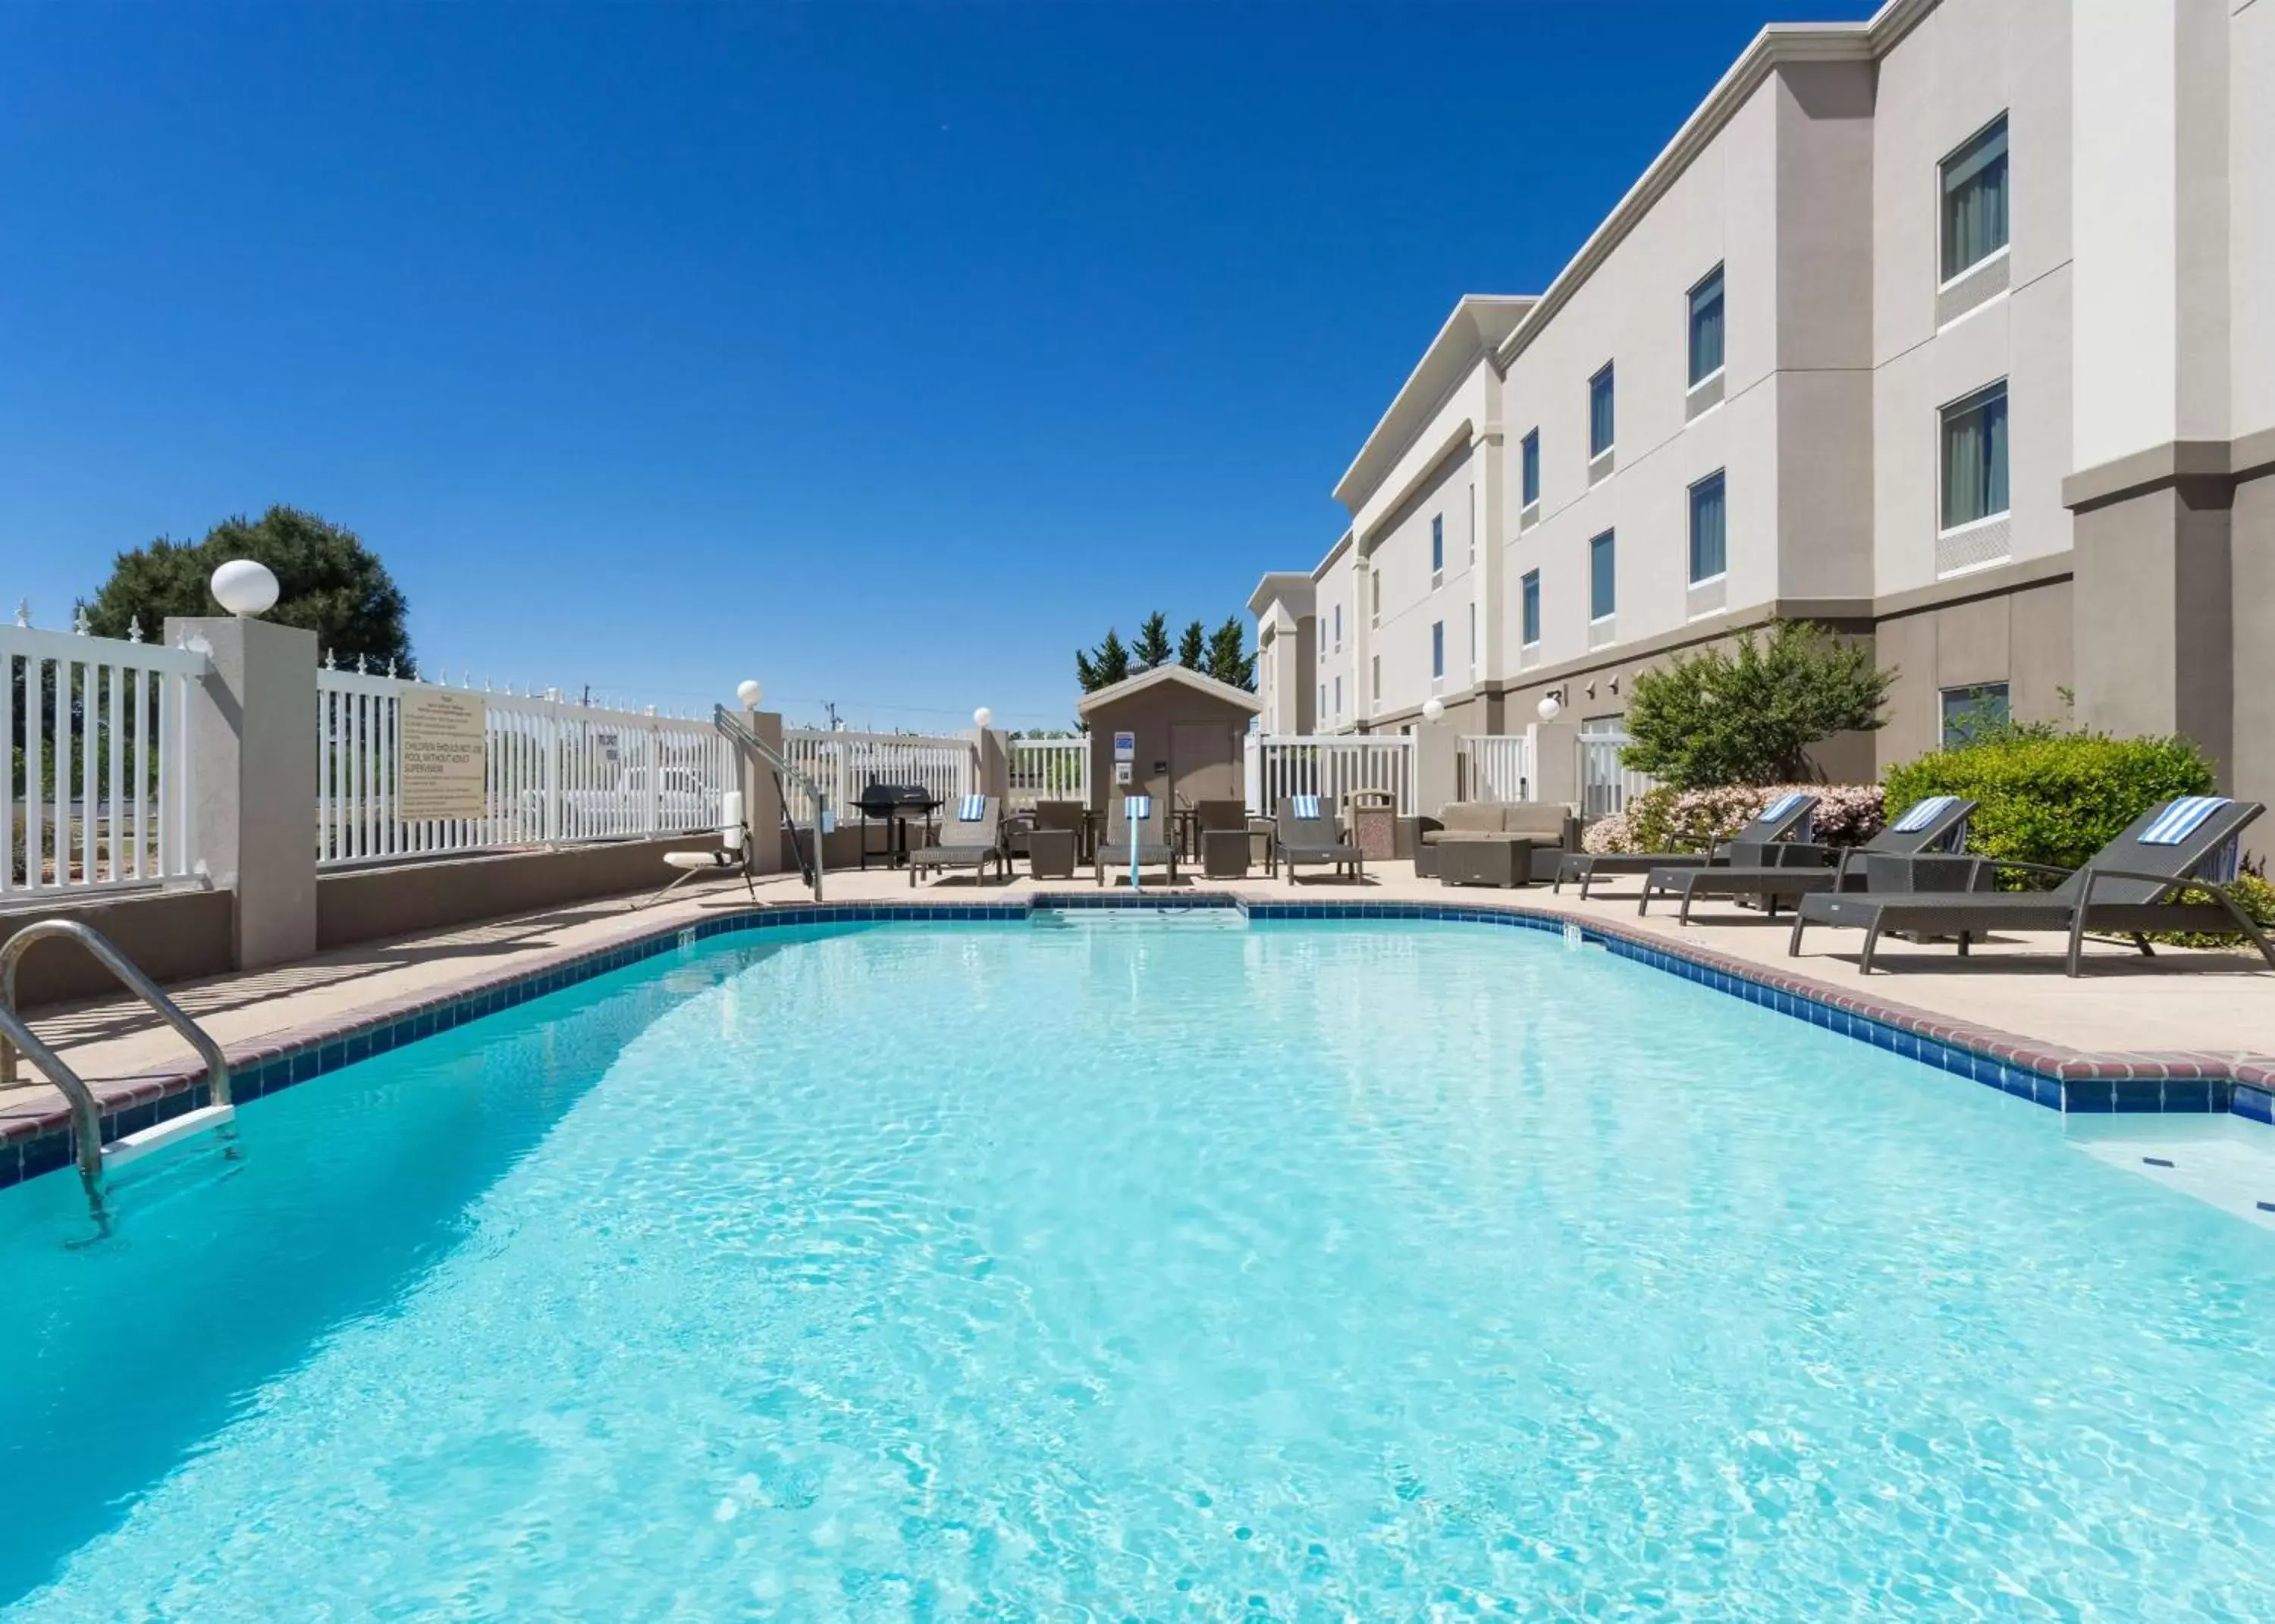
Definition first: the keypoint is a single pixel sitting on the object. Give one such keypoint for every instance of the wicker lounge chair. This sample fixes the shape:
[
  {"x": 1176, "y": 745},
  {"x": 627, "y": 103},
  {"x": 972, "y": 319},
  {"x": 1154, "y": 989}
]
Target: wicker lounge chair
[
  {"x": 1135, "y": 829},
  {"x": 971, "y": 839},
  {"x": 1786, "y": 817},
  {"x": 1935, "y": 824},
  {"x": 2130, "y": 886},
  {"x": 1309, "y": 833}
]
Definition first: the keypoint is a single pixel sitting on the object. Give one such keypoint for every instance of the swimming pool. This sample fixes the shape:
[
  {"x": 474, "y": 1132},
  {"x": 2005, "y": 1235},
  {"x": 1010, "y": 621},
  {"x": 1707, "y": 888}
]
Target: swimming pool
[{"x": 1121, "y": 1265}]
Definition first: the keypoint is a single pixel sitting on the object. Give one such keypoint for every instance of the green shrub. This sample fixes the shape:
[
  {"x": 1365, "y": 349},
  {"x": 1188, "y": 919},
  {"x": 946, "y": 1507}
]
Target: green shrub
[
  {"x": 2251, "y": 893},
  {"x": 1748, "y": 715},
  {"x": 2054, "y": 800}
]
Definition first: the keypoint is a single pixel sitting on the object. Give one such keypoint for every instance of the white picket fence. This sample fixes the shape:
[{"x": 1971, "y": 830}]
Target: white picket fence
[
  {"x": 1498, "y": 767},
  {"x": 556, "y": 773},
  {"x": 1330, "y": 766},
  {"x": 1049, "y": 769},
  {"x": 96, "y": 792},
  {"x": 1606, "y": 785},
  {"x": 845, "y": 763}
]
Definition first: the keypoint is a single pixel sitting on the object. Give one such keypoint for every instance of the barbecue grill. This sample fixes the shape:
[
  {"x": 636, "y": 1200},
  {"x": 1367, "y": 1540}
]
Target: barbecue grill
[{"x": 893, "y": 805}]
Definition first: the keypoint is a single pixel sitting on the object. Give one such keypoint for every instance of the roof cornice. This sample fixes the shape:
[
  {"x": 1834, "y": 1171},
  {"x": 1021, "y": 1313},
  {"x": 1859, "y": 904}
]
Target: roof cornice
[
  {"x": 1467, "y": 339},
  {"x": 1775, "y": 46}
]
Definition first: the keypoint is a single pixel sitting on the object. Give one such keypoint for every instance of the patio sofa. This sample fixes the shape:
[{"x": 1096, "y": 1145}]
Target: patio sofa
[{"x": 1548, "y": 827}]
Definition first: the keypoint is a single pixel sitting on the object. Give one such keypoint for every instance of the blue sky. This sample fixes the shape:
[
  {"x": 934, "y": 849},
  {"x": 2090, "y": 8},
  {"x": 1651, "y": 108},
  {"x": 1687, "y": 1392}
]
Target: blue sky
[{"x": 883, "y": 352}]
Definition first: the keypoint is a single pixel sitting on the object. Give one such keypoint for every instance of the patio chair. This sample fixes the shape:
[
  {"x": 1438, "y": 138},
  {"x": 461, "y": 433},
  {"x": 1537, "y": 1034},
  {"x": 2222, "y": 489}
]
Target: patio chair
[
  {"x": 2130, "y": 886},
  {"x": 1224, "y": 819},
  {"x": 1936, "y": 824},
  {"x": 1073, "y": 816},
  {"x": 1136, "y": 829},
  {"x": 1309, "y": 833},
  {"x": 971, "y": 839},
  {"x": 730, "y": 856},
  {"x": 1786, "y": 817}
]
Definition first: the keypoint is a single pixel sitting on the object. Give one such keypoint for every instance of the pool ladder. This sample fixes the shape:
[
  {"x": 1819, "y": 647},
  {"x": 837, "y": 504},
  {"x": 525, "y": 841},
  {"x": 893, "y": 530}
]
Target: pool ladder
[{"x": 16, "y": 1035}]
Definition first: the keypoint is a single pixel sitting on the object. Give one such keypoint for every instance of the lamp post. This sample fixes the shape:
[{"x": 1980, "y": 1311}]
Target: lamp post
[{"x": 750, "y": 693}]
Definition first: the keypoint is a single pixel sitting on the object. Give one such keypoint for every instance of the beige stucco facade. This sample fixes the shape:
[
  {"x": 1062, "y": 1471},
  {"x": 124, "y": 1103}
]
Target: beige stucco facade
[{"x": 2123, "y": 574}]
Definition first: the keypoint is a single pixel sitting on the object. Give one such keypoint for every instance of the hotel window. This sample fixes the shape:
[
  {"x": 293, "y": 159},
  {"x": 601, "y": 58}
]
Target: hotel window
[
  {"x": 1975, "y": 199},
  {"x": 1706, "y": 327},
  {"x": 1437, "y": 650},
  {"x": 1437, "y": 549},
  {"x": 1531, "y": 606},
  {"x": 1599, "y": 413},
  {"x": 1971, "y": 712},
  {"x": 1339, "y": 627},
  {"x": 1323, "y": 703},
  {"x": 1531, "y": 467},
  {"x": 1601, "y": 600},
  {"x": 1374, "y": 677},
  {"x": 1473, "y": 522},
  {"x": 1339, "y": 696},
  {"x": 1473, "y": 637},
  {"x": 1975, "y": 458},
  {"x": 1374, "y": 596},
  {"x": 1709, "y": 529}
]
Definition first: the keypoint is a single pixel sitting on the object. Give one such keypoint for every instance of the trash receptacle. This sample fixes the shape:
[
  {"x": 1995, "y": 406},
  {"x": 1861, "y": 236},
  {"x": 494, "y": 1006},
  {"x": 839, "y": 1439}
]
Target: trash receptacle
[{"x": 1372, "y": 815}]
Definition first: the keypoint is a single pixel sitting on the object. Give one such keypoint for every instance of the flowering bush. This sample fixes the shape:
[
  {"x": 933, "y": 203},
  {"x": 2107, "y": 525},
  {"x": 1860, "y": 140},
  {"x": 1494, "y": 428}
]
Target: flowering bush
[{"x": 1670, "y": 820}]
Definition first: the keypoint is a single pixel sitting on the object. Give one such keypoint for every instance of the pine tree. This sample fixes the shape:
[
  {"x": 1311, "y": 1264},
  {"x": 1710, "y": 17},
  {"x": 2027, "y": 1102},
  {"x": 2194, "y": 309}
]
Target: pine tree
[
  {"x": 328, "y": 582},
  {"x": 1228, "y": 661},
  {"x": 1102, "y": 666},
  {"x": 1152, "y": 649},
  {"x": 1192, "y": 648}
]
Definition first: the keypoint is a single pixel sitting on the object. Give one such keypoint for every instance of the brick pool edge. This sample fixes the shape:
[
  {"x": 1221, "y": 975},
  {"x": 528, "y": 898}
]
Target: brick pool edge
[{"x": 37, "y": 1140}]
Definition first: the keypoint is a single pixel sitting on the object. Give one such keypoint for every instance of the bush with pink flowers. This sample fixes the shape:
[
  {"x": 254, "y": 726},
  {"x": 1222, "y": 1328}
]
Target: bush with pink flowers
[{"x": 1670, "y": 820}]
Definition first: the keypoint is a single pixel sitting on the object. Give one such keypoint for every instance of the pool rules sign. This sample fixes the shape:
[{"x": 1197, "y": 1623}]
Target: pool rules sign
[{"x": 443, "y": 755}]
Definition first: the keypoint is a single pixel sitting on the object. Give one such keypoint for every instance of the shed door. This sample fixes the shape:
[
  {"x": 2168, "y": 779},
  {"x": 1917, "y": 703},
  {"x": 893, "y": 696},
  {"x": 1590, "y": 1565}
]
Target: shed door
[{"x": 1205, "y": 761}]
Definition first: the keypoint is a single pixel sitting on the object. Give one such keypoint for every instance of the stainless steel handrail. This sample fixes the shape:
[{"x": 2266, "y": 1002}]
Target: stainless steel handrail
[
  {"x": 736, "y": 729},
  {"x": 17, "y": 1035}
]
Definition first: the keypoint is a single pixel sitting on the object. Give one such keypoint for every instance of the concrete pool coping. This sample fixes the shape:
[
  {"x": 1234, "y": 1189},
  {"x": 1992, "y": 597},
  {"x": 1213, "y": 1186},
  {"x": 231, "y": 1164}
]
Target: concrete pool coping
[{"x": 281, "y": 1027}]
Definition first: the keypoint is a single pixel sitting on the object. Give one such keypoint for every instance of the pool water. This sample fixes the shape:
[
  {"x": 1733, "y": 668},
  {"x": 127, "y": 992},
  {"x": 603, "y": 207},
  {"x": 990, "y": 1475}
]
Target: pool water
[{"x": 1137, "y": 1267}]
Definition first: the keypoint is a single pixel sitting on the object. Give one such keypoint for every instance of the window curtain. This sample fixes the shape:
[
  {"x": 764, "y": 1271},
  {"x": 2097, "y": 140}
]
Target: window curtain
[
  {"x": 1974, "y": 201},
  {"x": 1974, "y": 461},
  {"x": 1600, "y": 576},
  {"x": 1599, "y": 413},
  {"x": 1708, "y": 550},
  {"x": 1706, "y": 328}
]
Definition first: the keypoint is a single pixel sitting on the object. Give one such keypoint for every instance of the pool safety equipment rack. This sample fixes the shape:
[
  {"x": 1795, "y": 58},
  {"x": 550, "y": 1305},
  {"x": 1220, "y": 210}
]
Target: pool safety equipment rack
[
  {"x": 16, "y": 1035},
  {"x": 750, "y": 743}
]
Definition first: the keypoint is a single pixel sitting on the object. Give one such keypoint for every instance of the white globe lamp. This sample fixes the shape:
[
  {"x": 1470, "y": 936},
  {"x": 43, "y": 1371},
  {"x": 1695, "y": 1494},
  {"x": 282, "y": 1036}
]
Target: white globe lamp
[
  {"x": 245, "y": 588},
  {"x": 983, "y": 718},
  {"x": 750, "y": 693},
  {"x": 1433, "y": 710},
  {"x": 1549, "y": 707}
]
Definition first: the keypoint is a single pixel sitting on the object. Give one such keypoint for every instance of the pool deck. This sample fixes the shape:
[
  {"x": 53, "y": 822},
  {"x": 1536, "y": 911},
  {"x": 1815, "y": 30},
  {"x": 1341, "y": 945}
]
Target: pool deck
[{"x": 2183, "y": 1013}]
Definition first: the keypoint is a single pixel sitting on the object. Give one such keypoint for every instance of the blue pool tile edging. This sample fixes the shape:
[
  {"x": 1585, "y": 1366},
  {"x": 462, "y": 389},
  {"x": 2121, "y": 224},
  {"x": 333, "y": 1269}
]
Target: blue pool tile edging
[{"x": 2055, "y": 1080}]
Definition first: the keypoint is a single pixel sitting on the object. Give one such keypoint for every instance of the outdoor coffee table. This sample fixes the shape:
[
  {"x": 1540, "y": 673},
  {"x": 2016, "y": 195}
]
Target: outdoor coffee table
[
  {"x": 1224, "y": 854},
  {"x": 1050, "y": 854},
  {"x": 1487, "y": 860}
]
